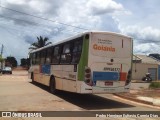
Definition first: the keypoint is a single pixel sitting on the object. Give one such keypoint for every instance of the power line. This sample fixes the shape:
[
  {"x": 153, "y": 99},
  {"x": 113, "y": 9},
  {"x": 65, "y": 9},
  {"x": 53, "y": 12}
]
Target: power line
[
  {"x": 20, "y": 30},
  {"x": 20, "y": 20},
  {"x": 30, "y": 22},
  {"x": 2, "y": 49},
  {"x": 43, "y": 18}
]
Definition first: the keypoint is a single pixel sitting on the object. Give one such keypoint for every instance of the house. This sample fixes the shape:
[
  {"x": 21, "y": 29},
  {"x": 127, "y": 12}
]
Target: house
[
  {"x": 2, "y": 65},
  {"x": 143, "y": 64}
]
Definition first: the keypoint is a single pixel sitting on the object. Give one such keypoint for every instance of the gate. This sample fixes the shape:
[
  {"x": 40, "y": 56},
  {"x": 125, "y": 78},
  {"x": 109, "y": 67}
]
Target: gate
[{"x": 153, "y": 72}]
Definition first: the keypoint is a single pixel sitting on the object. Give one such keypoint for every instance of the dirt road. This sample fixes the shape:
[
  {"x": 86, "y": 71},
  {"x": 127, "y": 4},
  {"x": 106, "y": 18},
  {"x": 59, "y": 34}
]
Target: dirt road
[{"x": 17, "y": 93}]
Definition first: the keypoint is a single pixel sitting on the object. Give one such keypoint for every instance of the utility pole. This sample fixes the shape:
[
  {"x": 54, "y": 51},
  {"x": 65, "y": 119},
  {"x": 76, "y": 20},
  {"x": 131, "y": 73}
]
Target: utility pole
[
  {"x": 2, "y": 49},
  {"x": 1, "y": 66}
]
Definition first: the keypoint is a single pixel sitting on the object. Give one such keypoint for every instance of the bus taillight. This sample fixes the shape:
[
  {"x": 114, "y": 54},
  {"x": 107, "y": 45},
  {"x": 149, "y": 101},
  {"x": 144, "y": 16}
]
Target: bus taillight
[{"x": 88, "y": 76}]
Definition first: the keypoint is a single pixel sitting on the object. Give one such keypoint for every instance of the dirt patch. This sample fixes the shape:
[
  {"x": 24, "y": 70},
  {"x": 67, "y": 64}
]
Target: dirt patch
[{"x": 154, "y": 93}]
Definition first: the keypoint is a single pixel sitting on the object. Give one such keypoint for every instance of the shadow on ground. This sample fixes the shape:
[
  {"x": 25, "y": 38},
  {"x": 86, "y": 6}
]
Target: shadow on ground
[{"x": 87, "y": 101}]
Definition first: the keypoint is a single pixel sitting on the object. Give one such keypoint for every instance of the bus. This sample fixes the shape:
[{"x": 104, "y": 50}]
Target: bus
[{"x": 88, "y": 63}]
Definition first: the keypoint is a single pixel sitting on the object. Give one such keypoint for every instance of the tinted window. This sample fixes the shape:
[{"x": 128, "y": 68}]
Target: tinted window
[
  {"x": 77, "y": 49},
  {"x": 49, "y": 54},
  {"x": 66, "y": 48},
  {"x": 43, "y": 55},
  {"x": 33, "y": 58},
  {"x": 37, "y": 57},
  {"x": 66, "y": 54},
  {"x": 77, "y": 46},
  {"x": 56, "y": 55}
]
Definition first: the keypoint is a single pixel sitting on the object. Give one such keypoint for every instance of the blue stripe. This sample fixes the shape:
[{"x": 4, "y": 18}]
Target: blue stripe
[
  {"x": 46, "y": 69},
  {"x": 105, "y": 76}
]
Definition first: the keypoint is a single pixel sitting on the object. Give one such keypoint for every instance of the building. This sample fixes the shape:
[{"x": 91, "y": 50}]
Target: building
[
  {"x": 143, "y": 64},
  {"x": 2, "y": 65},
  {"x": 155, "y": 55}
]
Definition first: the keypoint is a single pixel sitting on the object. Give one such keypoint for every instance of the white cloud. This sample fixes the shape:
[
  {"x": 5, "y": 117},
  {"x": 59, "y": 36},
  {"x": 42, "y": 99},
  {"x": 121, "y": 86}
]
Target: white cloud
[
  {"x": 39, "y": 6},
  {"x": 107, "y": 15},
  {"x": 104, "y": 6},
  {"x": 143, "y": 34},
  {"x": 18, "y": 2},
  {"x": 146, "y": 48},
  {"x": 146, "y": 39},
  {"x": 91, "y": 14}
]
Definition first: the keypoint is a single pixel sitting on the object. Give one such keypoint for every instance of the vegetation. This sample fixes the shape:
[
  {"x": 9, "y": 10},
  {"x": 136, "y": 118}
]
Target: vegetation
[
  {"x": 1, "y": 59},
  {"x": 25, "y": 62},
  {"x": 154, "y": 85},
  {"x": 11, "y": 61},
  {"x": 40, "y": 43}
]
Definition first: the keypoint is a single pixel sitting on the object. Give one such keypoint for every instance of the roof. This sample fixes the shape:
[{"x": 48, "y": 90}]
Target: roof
[
  {"x": 80, "y": 35},
  {"x": 146, "y": 59}
]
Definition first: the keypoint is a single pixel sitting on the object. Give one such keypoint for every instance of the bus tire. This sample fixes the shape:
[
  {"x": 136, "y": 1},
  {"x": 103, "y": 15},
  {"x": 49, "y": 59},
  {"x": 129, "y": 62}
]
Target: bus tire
[
  {"x": 32, "y": 78},
  {"x": 53, "y": 86}
]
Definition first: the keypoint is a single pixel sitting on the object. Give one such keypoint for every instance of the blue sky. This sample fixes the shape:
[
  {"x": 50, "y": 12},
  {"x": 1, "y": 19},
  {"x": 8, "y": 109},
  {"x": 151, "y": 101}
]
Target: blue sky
[{"x": 136, "y": 18}]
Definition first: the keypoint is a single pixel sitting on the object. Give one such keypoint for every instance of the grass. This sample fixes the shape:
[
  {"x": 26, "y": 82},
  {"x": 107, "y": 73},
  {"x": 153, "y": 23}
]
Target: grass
[{"x": 154, "y": 85}]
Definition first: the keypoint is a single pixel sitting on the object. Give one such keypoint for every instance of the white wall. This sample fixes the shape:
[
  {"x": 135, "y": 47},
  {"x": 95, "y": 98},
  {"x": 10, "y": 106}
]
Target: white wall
[{"x": 141, "y": 70}]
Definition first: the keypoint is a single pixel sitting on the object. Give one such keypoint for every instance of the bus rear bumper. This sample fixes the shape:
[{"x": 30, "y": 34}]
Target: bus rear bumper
[
  {"x": 85, "y": 89},
  {"x": 101, "y": 90}
]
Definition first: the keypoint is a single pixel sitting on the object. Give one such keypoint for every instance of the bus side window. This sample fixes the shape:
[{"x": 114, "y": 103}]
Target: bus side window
[
  {"x": 48, "y": 56},
  {"x": 77, "y": 48},
  {"x": 56, "y": 55},
  {"x": 37, "y": 58},
  {"x": 43, "y": 55},
  {"x": 33, "y": 58},
  {"x": 66, "y": 54}
]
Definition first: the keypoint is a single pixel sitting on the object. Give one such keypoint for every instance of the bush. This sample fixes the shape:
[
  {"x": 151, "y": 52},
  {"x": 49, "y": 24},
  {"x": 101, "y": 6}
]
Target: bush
[{"x": 154, "y": 85}]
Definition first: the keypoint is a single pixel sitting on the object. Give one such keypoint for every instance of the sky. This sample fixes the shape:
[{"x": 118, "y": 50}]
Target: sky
[{"x": 22, "y": 21}]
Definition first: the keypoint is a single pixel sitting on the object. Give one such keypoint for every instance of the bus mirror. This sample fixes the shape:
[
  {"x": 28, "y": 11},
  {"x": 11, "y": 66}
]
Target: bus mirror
[{"x": 87, "y": 36}]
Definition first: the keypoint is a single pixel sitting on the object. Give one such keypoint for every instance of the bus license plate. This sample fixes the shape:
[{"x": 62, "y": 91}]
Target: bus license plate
[{"x": 108, "y": 83}]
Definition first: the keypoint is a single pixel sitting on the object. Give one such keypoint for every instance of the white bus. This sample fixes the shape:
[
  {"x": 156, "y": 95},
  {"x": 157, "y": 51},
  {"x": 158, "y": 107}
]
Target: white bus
[{"x": 91, "y": 62}]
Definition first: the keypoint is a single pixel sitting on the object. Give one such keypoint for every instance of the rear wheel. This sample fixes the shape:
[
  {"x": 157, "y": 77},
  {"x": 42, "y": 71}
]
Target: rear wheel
[{"x": 53, "y": 86}]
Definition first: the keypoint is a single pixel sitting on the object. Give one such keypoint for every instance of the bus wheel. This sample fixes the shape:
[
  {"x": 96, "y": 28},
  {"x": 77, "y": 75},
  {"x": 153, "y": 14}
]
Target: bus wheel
[
  {"x": 53, "y": 86},
  {"x": 32, "y": 78}
]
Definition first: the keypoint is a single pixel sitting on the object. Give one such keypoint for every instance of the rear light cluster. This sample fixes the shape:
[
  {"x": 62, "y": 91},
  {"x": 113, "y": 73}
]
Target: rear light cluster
[
  {"x": 128, "y": 77},
  {"x": 87, "y": 76}
]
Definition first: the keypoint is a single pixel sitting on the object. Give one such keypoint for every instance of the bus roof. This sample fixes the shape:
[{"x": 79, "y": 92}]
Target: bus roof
[{"x": 80, "y": 35}]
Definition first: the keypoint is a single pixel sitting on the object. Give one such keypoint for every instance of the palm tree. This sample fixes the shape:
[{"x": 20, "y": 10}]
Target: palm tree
[{"x": 40, "y": 43}]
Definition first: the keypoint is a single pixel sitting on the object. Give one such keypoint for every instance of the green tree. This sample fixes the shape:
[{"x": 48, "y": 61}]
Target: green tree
[
  {"x": 11, "y": 61},
  {"x": 23, "y": 61},
  {"x": 1, "y": 59},
  {"x": 40, "y": 43}
]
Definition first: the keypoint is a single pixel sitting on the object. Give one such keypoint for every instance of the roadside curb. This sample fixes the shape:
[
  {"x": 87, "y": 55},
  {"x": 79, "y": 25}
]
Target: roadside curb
[{"x": 134, "y": 99}]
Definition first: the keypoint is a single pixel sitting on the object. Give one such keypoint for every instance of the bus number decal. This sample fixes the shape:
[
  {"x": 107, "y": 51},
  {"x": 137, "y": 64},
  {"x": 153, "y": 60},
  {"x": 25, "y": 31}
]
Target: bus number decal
[{"x": 111, "y": 69}]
